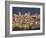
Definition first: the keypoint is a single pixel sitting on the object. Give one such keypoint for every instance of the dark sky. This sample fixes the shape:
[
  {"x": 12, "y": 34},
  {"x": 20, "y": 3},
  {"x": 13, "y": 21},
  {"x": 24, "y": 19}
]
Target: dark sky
[{"x": 25, "y": 10}]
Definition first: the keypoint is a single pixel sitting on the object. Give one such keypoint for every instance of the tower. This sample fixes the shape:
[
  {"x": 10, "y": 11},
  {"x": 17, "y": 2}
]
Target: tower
[
  {"x": 19, "y": 13},
  {"x": 28, "y": 13}
]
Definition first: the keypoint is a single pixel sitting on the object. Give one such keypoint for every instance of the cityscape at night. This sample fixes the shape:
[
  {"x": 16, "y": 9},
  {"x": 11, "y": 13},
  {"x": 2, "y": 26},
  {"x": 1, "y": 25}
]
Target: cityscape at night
[{"x": 24, "y": 18}]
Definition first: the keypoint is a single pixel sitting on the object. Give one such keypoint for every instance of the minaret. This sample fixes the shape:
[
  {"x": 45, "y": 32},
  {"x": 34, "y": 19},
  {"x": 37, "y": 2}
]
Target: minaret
[
  {"x": 19, "y": 13},
  {"x": 14, "y": 14},
  {"x": 28, "y": 13},
  {"x": 25, "y": 14}
]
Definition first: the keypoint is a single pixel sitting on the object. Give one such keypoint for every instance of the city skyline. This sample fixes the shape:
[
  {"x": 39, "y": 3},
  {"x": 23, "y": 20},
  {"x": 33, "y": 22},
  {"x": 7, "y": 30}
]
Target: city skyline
[{"x": 24, "y": 10}]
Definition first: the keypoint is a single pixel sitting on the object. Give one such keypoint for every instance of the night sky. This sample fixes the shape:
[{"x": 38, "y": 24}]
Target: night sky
[{"x": 24, "y": 10}]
